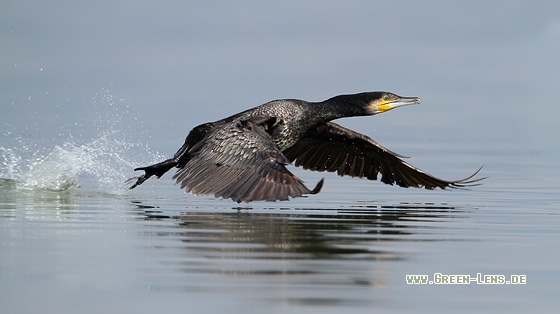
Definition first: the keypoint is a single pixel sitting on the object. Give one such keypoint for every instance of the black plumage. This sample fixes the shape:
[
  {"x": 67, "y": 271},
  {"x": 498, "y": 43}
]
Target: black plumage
[{"x": 244, "y": 157}]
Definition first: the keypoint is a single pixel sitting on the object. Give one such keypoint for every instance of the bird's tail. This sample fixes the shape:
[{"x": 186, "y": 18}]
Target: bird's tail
[{"x": 157, "y": 169}]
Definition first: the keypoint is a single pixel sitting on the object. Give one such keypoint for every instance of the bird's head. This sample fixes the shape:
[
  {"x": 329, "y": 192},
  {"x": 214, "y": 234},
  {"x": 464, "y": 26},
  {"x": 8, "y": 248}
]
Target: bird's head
[{"x": 378, "y": 102}]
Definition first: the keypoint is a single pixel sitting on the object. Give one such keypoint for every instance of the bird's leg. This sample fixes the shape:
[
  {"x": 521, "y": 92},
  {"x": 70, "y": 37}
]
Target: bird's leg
[{"x": 157, "y": 169}]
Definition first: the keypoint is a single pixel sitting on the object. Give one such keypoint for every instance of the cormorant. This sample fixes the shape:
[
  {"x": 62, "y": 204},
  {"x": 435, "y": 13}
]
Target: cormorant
[{"x": 244, "y": 157}]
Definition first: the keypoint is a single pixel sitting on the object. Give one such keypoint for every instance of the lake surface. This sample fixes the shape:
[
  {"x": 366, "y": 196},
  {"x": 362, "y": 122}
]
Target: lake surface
[
  {"x": 73, "y": 240},
  {"x": 91, "y": 90}
]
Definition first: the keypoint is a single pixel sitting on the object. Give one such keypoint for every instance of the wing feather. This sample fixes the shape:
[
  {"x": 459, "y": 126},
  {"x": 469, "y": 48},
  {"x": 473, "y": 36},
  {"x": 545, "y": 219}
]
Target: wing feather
[
  {"x": 240, "y": 161},
  {"x": 331, "y": 147}
]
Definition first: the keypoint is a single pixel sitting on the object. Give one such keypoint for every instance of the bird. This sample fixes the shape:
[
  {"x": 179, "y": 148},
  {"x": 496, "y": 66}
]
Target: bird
[{"x": 244, "y": 157}]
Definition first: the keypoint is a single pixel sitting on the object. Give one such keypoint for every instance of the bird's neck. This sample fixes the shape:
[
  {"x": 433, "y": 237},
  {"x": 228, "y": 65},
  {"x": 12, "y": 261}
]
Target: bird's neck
[{"x": 334, "y": 108}]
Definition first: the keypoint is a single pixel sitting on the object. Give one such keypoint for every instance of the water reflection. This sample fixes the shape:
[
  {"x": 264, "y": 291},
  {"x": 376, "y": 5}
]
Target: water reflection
[
  {"x": 15, "y": 201},
  {"x": 302, "y": 251},
  {"x": 324, "y": 234}
]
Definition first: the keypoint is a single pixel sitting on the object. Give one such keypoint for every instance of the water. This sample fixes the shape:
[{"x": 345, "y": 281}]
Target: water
[
  {"x": 74, "y": 240},
  {"x": 90, "y": 90}
]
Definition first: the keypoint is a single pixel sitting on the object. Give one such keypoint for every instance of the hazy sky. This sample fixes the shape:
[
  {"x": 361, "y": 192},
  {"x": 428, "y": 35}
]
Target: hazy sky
[{"x": 488, "y": 66}]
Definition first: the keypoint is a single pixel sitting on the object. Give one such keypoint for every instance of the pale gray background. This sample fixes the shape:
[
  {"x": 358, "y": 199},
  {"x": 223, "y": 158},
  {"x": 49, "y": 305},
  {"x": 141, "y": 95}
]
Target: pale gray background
[
  {"x": 490, "y": 68},
  {"x": 118, "y": 84}
]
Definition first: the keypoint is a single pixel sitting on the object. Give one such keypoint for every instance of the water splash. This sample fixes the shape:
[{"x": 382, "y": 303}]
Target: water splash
[
  {"x": 103, "y": 162},
  {"x": 106, "y": 162}
]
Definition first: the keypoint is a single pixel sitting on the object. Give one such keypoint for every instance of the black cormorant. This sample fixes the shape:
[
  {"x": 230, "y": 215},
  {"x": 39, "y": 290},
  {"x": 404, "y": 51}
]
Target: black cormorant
[{"x": 244, "y": 157}]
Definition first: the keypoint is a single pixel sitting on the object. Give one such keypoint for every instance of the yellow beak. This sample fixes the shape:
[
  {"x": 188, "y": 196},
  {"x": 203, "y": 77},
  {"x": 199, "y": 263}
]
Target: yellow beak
[{"x": 394, "y": 103}]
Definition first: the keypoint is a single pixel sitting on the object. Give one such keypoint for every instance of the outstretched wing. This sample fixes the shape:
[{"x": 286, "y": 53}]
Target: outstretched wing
[
  {"x": 331, "y": 147},
  {"x": 240, "y": 161}
]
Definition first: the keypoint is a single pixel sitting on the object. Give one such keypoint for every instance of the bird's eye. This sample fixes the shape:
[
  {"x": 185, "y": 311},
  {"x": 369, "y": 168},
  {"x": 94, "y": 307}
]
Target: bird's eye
[{"x": 386, "y": 97}]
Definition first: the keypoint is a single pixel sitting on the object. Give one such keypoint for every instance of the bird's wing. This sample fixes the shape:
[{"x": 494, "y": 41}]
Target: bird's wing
[
  {"x": 240, "y": 161},
  {"x": 331, "y": 147}
]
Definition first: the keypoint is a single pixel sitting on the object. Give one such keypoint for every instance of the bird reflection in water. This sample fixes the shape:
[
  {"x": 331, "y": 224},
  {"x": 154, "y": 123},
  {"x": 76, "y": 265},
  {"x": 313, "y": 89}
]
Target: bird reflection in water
[{"x": 303, "y": 234}]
